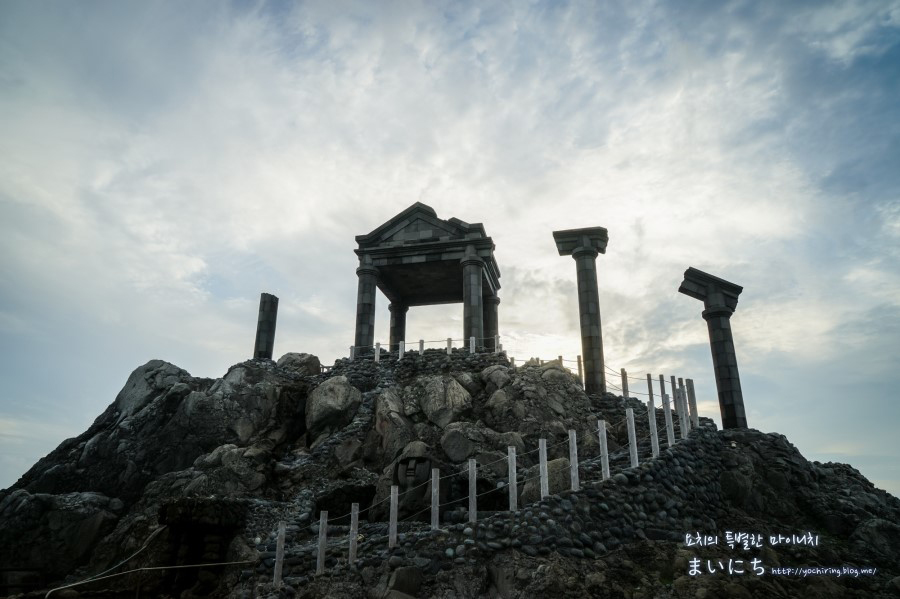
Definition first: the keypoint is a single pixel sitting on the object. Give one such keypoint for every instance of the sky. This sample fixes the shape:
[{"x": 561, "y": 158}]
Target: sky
[{"x": 165, "y": 162}]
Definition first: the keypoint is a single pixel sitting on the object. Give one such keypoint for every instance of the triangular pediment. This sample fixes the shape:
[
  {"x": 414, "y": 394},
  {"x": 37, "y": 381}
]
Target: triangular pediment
[{"x": 418, "y": 223}]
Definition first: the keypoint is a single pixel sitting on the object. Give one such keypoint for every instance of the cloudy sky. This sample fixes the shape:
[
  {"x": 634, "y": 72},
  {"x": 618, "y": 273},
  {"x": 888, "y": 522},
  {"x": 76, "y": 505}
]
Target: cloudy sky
[{"x": 165, "y": 162}]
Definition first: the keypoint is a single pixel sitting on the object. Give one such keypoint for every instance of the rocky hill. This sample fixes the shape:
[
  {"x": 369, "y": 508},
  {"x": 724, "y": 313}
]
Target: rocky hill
[{"x": 181, "y": 471}]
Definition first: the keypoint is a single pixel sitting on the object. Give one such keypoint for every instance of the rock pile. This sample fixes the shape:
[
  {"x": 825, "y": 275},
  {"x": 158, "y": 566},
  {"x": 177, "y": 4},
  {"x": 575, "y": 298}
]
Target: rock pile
[{"x": 220, "y": 462}]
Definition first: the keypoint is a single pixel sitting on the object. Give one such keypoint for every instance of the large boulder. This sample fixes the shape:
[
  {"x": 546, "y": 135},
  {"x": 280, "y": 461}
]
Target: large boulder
[
  {"x": 331, "y": 406},
  {"x": 444, "y": 400},
  {"x": 302, "y": 364},
  {"x": 393, "y": 427}
]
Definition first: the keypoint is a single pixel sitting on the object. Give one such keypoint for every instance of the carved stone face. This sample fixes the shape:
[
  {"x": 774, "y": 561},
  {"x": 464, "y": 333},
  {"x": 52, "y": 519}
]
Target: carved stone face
[{"x": 410, "y": 472}]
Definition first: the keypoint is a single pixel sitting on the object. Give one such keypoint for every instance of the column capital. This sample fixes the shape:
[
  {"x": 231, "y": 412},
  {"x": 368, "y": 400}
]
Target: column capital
[
  {"x": 716, "y": 312},
  {"x": 715, "y": 293},
  {"x": 492, "y": 299},
  {"x": 571, "y": 239},
  {"x": 397, "y": 308},
  {"x": 584, "y": 251},
  {"x": 472, "y": 261},
  {"x": 366, "y": 270}
]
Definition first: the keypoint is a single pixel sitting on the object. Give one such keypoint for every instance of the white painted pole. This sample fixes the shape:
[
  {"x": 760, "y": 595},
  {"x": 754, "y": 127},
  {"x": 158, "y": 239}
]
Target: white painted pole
[
  {"x": 632, "y": 437},
  {"x": 352, "y": 353},
  {"x": 471, "y": 345},
  {"x": 497, "y": 347},
  {"x": 684, "y": 402},
  {"x": 580, "y": 373},
  {"x": 604, "y": 450},
  {"x": 421, "y": 346},
  {"x": 692, "y": 399},
  {"x": 683, "y": 416},
  {"x": 624, "y": 384},
  {"x": 279, "y": 556},
  {"x": 402, "y": 350},
  {"x": 449, "y": 345},
  {"x": 573, "y": 461},
  {"x": 542, "y": 453},
  {"x": 354, "y": 532},
  {"x": 392, "y": 525},
  {"x": 435, "y": 498},
  {"x": 560, "y": 361},
  {"x": 323, "y": 540},
  {"x": 473, "y": 508},
  {"x": 512, "y": 362},
  {"x": 654, "y": 437},
  {"x": 513, "y": 482},
  {"x": 650, "y": 387},
  {"x": 670, "y": 429},
  {"x": 377, "y": 351},
  {"x": 675, "y": 395}
]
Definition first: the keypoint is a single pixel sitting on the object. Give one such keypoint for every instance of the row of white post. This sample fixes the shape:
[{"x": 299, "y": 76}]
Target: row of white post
[
  {"x": 512, "y": 485},
  {"x": 402, "y": 348},
  {"x": 685, "y": 408}
]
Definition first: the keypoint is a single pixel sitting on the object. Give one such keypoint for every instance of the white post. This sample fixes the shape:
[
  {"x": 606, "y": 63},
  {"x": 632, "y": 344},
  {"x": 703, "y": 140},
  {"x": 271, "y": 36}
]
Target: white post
[
  {"x": 650, "y": 387},
  {"x": 573, "y": 461},
  {"x": 542, "y": 453},
  {"x": 471, "y": 345},
  {"x": 352, "y": 353},
  {"x": 670, "y": 430},
  {"x": 682, "y": 415},
  {"x": 449, "y": 345},
  {"x": 354, "y": 532},
  {"x": 695, "y": 417},
  {"x": 323, "y": 532},
  {"x": 654, "y": 437},
  {"x": 580, "y": 373},
  {"x": 421, "y": 346},
  {"x": 392, "y": 526},
  {"x": 377, "y": 351},
  {"x": 279, "y": 556},
  {"x": 473, "y": 508},
  {"x": 675, "y": 400},
  {"x": 604, "y": 451},
  {"x": 512, "y": 362},
  {"x": 560, "y": 361},
  {"x": 684, "y": 403},
  {"x": 632, "y": 437},
  {"x": 435, "y": 498},
  {"x": 513, "y": 482},
  {"x": 402, "y": 350},
  {"x": 497, "y": 347},
  {"x": 624, "y": 384}
]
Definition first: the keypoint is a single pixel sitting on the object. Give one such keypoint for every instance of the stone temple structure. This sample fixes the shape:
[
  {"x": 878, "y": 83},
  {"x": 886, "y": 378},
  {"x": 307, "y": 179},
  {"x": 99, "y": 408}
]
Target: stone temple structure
[{"x": 418, "y": 259}]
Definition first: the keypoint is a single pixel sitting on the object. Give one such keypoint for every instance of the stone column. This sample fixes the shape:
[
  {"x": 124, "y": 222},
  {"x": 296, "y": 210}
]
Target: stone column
[
  {"x": 365, "y": 306},
  {"x": 584, "y": 245},
  {"x": 265, "y": 326},
  {"x": 473, "y": 310},
  {"x": 719, "y": 299},
  {"x": 398, "y": 324},
  {"x": 491, "y": 303}
]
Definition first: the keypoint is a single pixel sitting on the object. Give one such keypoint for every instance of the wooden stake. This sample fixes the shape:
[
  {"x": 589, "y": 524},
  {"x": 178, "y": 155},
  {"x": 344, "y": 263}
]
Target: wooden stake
[
  {"x": 573, "y": 461},
  {"x": 604, "y": 451},
  {"x": 323, "y": 533},
  {"x": 632, "y": 437},
  {"x": 279, "y": 556},
  {"x": 513, "y": 482},
  {"x": 542, "y": 453}
]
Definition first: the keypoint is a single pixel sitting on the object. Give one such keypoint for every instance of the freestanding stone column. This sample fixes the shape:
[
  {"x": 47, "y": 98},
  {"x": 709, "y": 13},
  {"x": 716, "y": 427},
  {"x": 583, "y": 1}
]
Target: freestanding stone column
[
  {"x": 398, "y": 324},
  {"x": 491, "y": 303},
  {"x": 365, "y": 306},
  {"x": 720, "y": 298},
  {"x": 473, "y": 310},
  {"x": 265, "y": 326},
  {"x": 584, "y": 245}
]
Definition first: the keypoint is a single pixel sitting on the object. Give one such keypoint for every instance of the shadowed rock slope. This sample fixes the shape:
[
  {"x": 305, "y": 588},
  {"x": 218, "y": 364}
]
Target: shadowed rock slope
[{"x": 205, "y": 469}]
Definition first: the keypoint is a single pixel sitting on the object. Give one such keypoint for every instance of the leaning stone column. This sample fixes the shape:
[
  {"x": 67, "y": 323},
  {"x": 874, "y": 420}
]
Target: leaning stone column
[
  {"x": 473, "y": 310},
  {"x": 491, "y": 303},
  {"x": 584, "y": 245},
  {"x": 265, "y": 326},
  {"x": 365, "y": 306},
  {"x": 398, "y": 325},
  {"x": 720, "y": 298}
]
